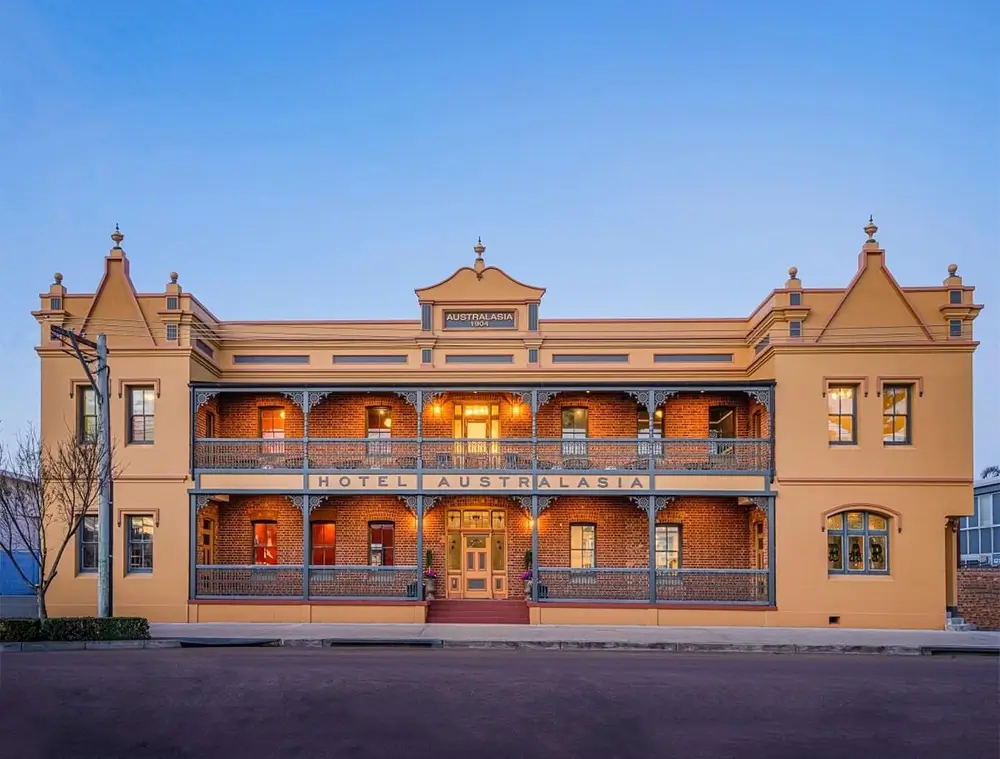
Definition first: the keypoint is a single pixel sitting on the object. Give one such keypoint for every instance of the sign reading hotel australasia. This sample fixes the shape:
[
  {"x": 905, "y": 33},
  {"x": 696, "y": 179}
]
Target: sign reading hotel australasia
[
  {"x": 438, "y": 482},
  {"x": 479, "y": 320}
]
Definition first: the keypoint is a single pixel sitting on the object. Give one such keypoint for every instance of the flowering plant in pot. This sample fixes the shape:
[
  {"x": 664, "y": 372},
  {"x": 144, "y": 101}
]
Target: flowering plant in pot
[
  {"x": 527, "y": 576},
  {"x": 430, "y": 576}
]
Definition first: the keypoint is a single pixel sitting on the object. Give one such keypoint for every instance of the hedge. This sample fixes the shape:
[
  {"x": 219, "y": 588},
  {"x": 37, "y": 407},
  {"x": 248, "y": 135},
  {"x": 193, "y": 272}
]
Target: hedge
[{"x": 74, "y": 628}]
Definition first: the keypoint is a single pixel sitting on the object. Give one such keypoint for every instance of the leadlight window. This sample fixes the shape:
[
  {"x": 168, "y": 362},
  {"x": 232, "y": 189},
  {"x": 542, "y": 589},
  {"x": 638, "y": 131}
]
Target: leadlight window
[
  {"x": 857, "y": 543},
  {"x": 142, "y": 405},
  {"x": 88, "y": 543},
  {"x": 668, "y": 546},
  {"x": 140, "y": 544},
  {"x": 896, "y": 426},
  {"x": 265, "y": 542},
  {"x": 574, "y": 431},
  {"x": 324, "y": 543},
  {"x": 87, "y": 412},
  {"x": 842, "y": 413},
  {"x": 583, "y": 546},
  {"x": 381, "y": 542}
]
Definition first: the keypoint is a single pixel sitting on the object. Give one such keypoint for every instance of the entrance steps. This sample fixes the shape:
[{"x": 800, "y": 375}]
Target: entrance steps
[{"x": 470, "y": 612}]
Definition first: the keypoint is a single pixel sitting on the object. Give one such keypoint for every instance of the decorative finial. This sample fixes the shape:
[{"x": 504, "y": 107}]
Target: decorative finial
[
  {"x": 952, "y": 270},
  {"x": 870, "y": 229},
  {"x": 57, "y": 277},
  {"x": 792, "y": 272},
  {"x": 173, "y": 277},
  {"x": 117, "y": 236},
  {"x": 479, "y": 248}
]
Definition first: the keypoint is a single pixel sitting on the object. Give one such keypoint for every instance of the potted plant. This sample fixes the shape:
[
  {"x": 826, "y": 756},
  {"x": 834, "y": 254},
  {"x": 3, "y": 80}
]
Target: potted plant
[
  {"x": 527, "y": 575},
  {"x": 430, "y": 577}
]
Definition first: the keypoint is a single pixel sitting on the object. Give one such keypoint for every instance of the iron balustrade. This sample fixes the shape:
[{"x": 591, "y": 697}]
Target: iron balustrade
[
  {"x": 676, "y": 455},
  {"x": 363, "y": 582},
  {"x": 593, "y": 584},
  {"x": 736, "y": 586},
  {"x": 248, "y": 581},
  {"x": 693, "y": 586}
]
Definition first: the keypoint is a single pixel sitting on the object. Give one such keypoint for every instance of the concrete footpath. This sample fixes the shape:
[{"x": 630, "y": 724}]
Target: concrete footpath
[{"x": 770, "y": 639}]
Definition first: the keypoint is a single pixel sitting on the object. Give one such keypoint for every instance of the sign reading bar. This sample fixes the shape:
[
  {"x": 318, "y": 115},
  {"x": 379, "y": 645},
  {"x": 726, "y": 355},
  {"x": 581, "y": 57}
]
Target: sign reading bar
[
  {"x": 479, "y": 319},
  {"x": 458, "y": 482}
]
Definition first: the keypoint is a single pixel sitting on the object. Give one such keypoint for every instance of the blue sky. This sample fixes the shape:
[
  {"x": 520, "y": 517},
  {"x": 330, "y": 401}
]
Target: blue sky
[{"x": 330, "y": 157}]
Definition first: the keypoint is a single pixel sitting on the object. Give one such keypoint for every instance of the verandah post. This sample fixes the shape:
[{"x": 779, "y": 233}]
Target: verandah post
[
  {"x": 534, "y": 547},
  {"x": 306, "y": 510},
  {"x": 420, "y": 546},
  {"x": 651, "y": 513},
  {"x": 193, "y": 549},
  {"x": 770, "y": 550}
]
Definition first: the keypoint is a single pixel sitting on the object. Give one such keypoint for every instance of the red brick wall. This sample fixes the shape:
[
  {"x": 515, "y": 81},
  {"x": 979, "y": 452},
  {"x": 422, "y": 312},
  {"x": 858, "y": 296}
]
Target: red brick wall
[
  {"x": 343, "y": 415},
  {"x": 979, "y": 597},
  {"x": 234, "y": 533}
]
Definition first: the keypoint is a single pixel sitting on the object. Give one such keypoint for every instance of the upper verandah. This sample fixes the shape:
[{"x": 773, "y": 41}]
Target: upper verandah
[{"x": 485, "y": 304}]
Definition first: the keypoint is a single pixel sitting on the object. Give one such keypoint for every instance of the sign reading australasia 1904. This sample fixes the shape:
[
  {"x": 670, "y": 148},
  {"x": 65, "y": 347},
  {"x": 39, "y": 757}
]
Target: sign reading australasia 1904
[{"x": 479, "y": 320}]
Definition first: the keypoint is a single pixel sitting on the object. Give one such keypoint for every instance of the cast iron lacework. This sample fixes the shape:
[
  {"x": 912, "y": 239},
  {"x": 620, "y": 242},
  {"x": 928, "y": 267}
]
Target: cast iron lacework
[
  {"x": 662, "y": 501},
  {"x": 544, "y": 396},
  {"x": 316, "y": 397},
  {"x": 545, "y": 501},
  {"x": 429, "y": 501},
  {"x": 761, "y": 395},
  {"x": 295, "y": 396},
  {"x": 315, "y": 500},
  {"x": 201, "y": 397},
  {"x": 411, "y": 397},
  {"x": 200, "y": 501},
  {"x": 641, "y": 501},
  {"x": 409, "y": 501},
  {"x": 523, "y": 500},
  {"x": 524, "y": 396}
]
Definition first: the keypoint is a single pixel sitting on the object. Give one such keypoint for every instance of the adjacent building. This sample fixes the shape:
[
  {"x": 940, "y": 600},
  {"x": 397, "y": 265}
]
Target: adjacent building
[{"x": 804, "y": 465}]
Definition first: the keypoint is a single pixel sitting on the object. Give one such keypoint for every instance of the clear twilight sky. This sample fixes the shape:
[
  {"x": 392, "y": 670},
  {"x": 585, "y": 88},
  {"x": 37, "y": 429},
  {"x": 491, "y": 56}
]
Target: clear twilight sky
[{"x": 328, "y": 157}]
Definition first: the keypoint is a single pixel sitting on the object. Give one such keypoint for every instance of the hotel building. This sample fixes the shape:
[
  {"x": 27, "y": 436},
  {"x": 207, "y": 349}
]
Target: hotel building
[{"x": 805, "y": 465}]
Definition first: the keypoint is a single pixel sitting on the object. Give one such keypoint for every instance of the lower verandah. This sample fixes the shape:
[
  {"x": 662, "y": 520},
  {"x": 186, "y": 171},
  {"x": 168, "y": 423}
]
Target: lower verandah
[{"x": 590, "y": 549}]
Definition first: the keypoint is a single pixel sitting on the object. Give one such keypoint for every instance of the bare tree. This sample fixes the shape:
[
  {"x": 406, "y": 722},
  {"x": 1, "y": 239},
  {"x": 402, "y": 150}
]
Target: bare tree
[
  {"x": 45, "y": 492},
  {"x": 990, "y": 472}
]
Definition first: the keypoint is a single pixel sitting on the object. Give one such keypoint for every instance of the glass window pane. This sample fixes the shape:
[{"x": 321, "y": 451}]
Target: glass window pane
[
  {"x": 986, "y": 510},
  {"x": 499, "y": 556},
  {"x": 836, "y": 522},
  {"x": 973, "y": 541},
  {"x": 454, "y": 552},
  {"x": 855, "y": 552},
  {"x": 875, "y": 522},
  {"x": 985, "y": 541},
  {"x": 855, "y": 520},
  {"x": 963, "y": 540},
  {"x": 973, "y": 520},
  {"x": 454, "y": 520},
  {"x": 835, "y": 552},
  {"x": 877, "y": 553},
  {"x": 996, "y": 539}
]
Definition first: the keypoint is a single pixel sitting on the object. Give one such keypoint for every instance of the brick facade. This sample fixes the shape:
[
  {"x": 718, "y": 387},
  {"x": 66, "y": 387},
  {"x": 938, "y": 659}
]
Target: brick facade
[
  {"x": 609, "y": 414},
  {"x": 979, "y": 597}
]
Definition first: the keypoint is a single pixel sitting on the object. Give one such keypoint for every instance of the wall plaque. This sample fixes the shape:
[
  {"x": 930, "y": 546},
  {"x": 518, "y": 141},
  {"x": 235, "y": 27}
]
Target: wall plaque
[{"x": 479, "y": 319}]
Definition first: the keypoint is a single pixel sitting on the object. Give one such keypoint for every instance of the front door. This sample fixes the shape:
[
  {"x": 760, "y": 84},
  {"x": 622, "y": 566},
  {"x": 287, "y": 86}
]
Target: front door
[{"x": 476, "y": 566}]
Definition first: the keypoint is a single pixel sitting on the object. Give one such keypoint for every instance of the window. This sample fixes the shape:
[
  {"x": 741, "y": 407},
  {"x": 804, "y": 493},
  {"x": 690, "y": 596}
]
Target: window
[
  {"x": 55, "y": 304},
  {"x": 574, "y": 430},
  {"x": 324, "y": 543},
  {"x": 142, "y": 401},
  {"x": 87, "y": 426},
  {"x": 795, "y": 299},
  {"x": 721, "y": 424},
  {"x": 272, "y": 427},
  {"x": 841, "y": 415},
  {"x": 171, "y": 332},
  {"x": 582, "y": 546},
  {"x": 425, "y": 355},
  {"x": 265, "y": 542},
  {"x": 139, "y": 548},
  {"x": 643, "y": 430},
  {"x": 172, "y": 303},
  {"x": 896, "y": 428},
  {"x": 795, "y": 329},
  {"x": 954, "y": 296},
  {"x": 668, "y": 546},
  {"x": 954, "y": 328},
  {"x": 379, "y": 428},
  {"x": 980, "y": 533},
  {"x": 88, "y": 543},
  {"x": 857, "y": 543},
  {"x": 381, "y": 540},
  {"x": 209, "y": 424}
]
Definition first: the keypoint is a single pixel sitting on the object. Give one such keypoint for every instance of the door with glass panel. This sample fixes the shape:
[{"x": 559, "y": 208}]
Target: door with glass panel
[
  {"x": 476, "y": 566},
  {"x": 477, "y": 425}
]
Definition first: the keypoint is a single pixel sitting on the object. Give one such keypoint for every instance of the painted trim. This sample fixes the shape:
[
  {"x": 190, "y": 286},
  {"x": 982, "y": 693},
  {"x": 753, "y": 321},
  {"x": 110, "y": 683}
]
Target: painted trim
[
  {"x": 693, "y": 606},
  {"x": 874, "y": 507}
]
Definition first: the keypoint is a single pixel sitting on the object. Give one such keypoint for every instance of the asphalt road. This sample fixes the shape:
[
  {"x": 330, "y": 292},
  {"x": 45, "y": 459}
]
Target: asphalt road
[{"x": 417, "y": 704}]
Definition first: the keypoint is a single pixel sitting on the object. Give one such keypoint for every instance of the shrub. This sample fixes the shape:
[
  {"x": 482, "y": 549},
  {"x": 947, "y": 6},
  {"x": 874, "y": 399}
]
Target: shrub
[
  {"x": 95, "y": 628},
  {"x": 20, "y": 630}
]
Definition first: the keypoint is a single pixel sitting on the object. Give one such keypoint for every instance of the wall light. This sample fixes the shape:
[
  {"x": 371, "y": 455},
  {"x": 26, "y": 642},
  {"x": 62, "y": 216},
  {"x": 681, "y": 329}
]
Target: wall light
[
  {"x": 281, "y": 413},
  {"x": 437, "y": 409},
  {"x": 515, "y": 409}
]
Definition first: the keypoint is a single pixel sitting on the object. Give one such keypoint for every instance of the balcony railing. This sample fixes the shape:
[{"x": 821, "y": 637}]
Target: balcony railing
[
  {"x": 502, "y": 454},
  {"x": 248, "y": 581},
  {"x": 693, "y": 586},
  {"x": 363, "y": 582}
]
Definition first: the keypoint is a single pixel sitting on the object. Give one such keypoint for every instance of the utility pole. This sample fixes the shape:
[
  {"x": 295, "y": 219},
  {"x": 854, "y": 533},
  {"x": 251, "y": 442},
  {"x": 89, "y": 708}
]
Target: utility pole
[{"x": 100, "y": 381}]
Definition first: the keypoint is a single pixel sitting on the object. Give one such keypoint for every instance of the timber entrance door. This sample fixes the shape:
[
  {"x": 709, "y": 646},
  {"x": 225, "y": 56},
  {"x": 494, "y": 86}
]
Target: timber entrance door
[{"x": 477, "y": 553}]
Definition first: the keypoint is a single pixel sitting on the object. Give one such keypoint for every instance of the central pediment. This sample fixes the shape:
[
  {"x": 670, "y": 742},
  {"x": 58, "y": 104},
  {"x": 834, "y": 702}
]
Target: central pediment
[{"x": 480, "y": 284}]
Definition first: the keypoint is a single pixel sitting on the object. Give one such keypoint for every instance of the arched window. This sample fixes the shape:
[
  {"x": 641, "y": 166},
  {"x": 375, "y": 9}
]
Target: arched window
[{"x": 857, "y": 542}]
